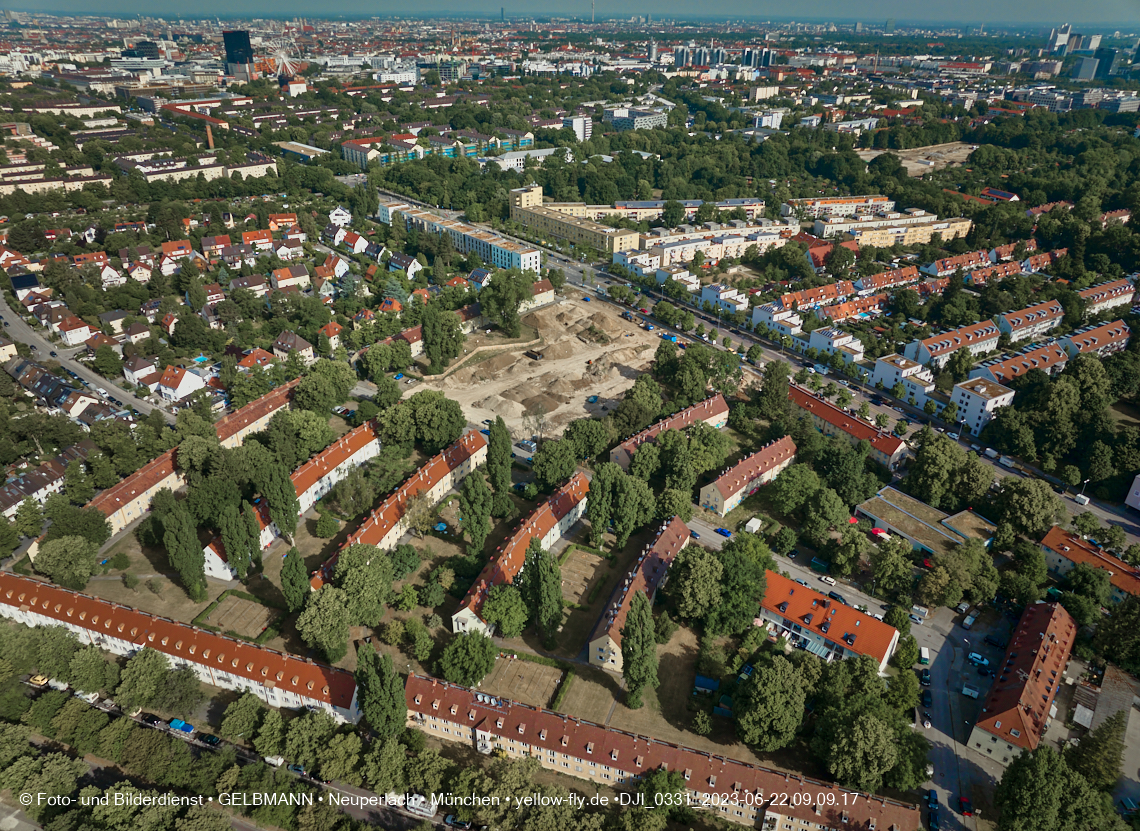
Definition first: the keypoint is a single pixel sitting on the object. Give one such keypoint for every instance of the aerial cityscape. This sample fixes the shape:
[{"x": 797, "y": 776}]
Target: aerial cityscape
[{"x": 622, "y": 420}]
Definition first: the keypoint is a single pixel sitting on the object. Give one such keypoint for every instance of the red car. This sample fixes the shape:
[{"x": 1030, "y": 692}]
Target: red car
[
  {"x": 964, "y": 807},
  {"x": 644, "y": 311}
]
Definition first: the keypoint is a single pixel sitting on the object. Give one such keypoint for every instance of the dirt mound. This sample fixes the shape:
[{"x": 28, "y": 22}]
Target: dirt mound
[
  {"x": 559, "y": 350},
  {"x": 501, "y": 406},
  {"x": 548, "y": 403}
]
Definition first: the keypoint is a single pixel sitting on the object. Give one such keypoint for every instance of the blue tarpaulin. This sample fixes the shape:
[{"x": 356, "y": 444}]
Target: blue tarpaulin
[{"x": 704, "y": 684}]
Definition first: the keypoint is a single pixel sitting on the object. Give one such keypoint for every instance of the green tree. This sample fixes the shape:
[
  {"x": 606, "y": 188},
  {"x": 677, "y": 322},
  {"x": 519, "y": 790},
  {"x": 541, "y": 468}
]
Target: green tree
[
  {"x": 771, "y": 706},
  {"x": 506, "y": 608},
  {"x": 324, "y": 622},
  {"x": 242, "y": 718},
  {"x": 863, "y": 750},
  {"x": 589, "y": 437},
  {"x": 327, "y": 526},
  {"x": 502, "y": 296},
  {"x": 142, "y": 678},
  {"x": 499, "y": 467},
  {"x": 1039, "y": 790},
  {"x": 638, "y": 650},
  {"x": 903, "y": 692},
  {"x": 107, "y": 363},
  {"x": 380, "y": 692},
  {"x": 236, "y": 541},
  {"x": 794, "y": 486},
  {"x": 29, "y": 518},
  {"x": 325, "y": 385},
  {"x": 294, "y": 580},
  {"x": 475, "y": 502},
  {"x": 307, "y": 736},
  {"x": 365, "y": 574},
  {"x": 184, "y": 550},
  {"x": 68, "y": 561},
  {"x": 442, "y": 336},
  {"x": 1029, "y": 506},
  {"x": 467, "y": 659},
  {"x": 542, "y": 589},
  {"x": 554, "y": 463},
  {"x": 76, "y": 483},
  {"x": 694, "y": 583},
  {"x": 1099, "y": 758},
  {"x": 891, "y": 565},
  {"x": 270, "y": 739}
]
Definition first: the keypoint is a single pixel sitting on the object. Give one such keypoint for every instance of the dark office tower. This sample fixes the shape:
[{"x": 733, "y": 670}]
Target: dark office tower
[
  {"x": 503, "y": 14},
  {"x": 1110, "y": 62},
  {"x": 147, "y": 49},
  {"x": 238, "y": 47}
]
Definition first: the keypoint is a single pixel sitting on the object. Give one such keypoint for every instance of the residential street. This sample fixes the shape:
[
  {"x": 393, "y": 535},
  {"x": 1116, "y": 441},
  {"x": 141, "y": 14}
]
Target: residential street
[{"x": 18, "y": 330}]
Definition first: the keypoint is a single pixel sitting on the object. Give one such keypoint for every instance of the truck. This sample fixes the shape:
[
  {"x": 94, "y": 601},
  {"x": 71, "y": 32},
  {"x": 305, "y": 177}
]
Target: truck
[
  {"x": 990, "y": 453},
  {"x": 920, "y": 611},
  {"x": 970, "y": 691},
  {"x": 970, "y": 619},
  {"x": 1006, "y": 461},
  {"x": 533, "y": 355},
  {"x": 276, "y": 761},
  {"x": 180, "y": 726},
  {"x": 924, "y": 655},
  {"x": 670, "y": 338}
]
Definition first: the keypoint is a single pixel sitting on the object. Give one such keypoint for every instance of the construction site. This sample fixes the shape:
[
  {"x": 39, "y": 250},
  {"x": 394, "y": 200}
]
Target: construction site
[
  {"x": 586, "y": 350},
  {"x": 920, "y": 160}
]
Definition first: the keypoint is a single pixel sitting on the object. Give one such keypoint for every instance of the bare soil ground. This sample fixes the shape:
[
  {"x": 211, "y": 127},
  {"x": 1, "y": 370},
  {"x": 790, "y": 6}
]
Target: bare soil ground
[
  {"x": 579, "y": 574},
  {"x": 510, "y": 384},
  {"x": 919, "y": 160},
  {"x": 243, "y": 617},
  {"x": 522, "y": 681}
]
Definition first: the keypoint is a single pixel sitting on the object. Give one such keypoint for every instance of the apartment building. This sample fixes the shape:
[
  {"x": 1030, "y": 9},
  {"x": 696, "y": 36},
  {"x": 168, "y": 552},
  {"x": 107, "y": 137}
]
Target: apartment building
[
  {"x": 1002, "y": 253},
  {"x": 648, "y": 574},
  {"x": 936, "y": 350},
  {"x": 316, "y": 477},
  {"x": 626, "y": 118},
  {"x": 724, "y": 297},
  {"x": 1064, "y": 549},
  {"x": 491, "y": 248},
  {"x": 1100, "y": 340},
  {"x": 822, "y": 626},
  {"x": 679, "y": 274},
  {"x": 978, "y": 399},
  {"x": 739, "y": 792},
  {"x": 278, "y": 679},
  {"x": 1019, "y": 707},
  {"x": 288, "y": 342},
  {"x": 527, "y": 209},
  {"x": 818, "y": 296},
  {"x": 293, "y": 276},
  {"x": 1105, "y": 296},
  {"x": 948, "y": 265},
  {"x": 894, "y": 369},
  {"x": 864, "y": 307},
  {"x": 837, "y": 206},
  {"x": 992, "y": 273},
  {"x": 886, "y": 280},
  {"x": 886, "y": 448},
  {"x": 827, "y": 340},
  {"x": 547, "y": 524},
  {"x": 712, "y": 411},
  {"x": 728, "y": 490},
  {"x": 1032, "y": 321},
  {"x": 926, "y": 528},
  {"x": 778, "y": 319},
  {"x": 40, "y": 483},
  {"x": 1039, "y": 262},
  {"x": 914, "y": 233},
  {"x": 385, "y": 525},
  {"x": 1050, "y": 359}
]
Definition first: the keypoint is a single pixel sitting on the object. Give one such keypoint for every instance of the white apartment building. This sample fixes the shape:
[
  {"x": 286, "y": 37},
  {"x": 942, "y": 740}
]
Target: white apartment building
[
  {"x": 278, "y": 679},
  {"x": 778, "y": 319},
  {"x": 725, "y": 297},
  {"x": 936, "y": 350},
  {"x": 679, "y": 274},
  {"x": 829, "y": 340},
  {"x": 978, "y": 399},
  {"x": 915, "y": 378},
  {"x": 1032, "y": 321},
  {"x": 837, "y": 206},
  {"x": 491, "y": 248}
]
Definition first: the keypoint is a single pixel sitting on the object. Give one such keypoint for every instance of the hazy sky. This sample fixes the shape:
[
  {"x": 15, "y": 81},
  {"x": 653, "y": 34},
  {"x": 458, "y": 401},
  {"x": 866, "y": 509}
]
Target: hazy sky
[{"x": 1114, "y": 13}]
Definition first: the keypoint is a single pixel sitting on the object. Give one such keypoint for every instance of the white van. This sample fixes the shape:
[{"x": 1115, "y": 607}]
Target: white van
[
  {"x": 1081, "y": 499},
  {"x": 829, "y": 580}
]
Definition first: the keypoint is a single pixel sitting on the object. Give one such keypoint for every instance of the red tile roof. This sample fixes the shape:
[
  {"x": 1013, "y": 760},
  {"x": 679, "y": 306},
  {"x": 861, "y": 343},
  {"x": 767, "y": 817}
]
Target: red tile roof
[
  {"x": 822, "y": 804},
  {"x": 256, "y": 357},
  {"x": 819, "y": 295},
  {"x": 964, "y": 261},
  {"x": 1073, "y": 547},
  {"x": 181, "y": 641},
  {"x": 331, "y": 329},
  {"x": 843, "y": 625},
  {"x": 880, "y": 440},
  {"x": 751, "y": 467},
  {"x": 333, "y": 456},
  {"x": 850, "y": 308},
  {"x": 271, "y": 402},
  {"x": 389, "y": 512},
  {"x": 706, "y": 410},
  {"x": 891, "y": 279},
  {"x": 1043, "y": 358},
  {"x": 172, "y": 377},
  {"x": 955, "y": 339},
  {"x": 141, "y": 481},
  {"x": 510, "y": 556},
  {"x": 981, "y": 276},
  {"x": 1095, "y": 295},
  {"x": 1018, "y": 704},
  {"x": 1033, "y": 315},
  {"x": 1095, "y": 338},
  {"x": 651, "y": 568}
]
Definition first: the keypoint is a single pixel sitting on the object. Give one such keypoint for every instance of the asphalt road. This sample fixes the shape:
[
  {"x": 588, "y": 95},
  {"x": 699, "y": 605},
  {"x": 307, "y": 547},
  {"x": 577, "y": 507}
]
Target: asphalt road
[{"x": 19, "y": 330}]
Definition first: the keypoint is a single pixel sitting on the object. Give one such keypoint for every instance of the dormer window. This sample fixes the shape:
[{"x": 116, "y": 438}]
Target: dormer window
[
  {"x": 590, "y": 747},
  {"x": 417, "y": 699},
  {"x": 614, "y": 755},
  {"x": 522, "y": 729},
  {"x": 435, "y": 704},
  {"x": 542, "y": 735},
  {"x": 712, "y": 781},
  {"x": 499, "y": 723},
  {"x": 565, "y": 741},
  {"x": 688, "y": 773}
]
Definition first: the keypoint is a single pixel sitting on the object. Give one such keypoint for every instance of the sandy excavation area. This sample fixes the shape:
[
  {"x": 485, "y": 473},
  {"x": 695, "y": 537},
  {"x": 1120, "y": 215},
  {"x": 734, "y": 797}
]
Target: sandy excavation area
[
  {"x": 919, "y": 160},
  {"x": 509, "y": 384}
]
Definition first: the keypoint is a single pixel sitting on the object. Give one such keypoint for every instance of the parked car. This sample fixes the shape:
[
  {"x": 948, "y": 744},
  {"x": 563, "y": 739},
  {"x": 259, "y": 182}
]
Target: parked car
[
  {"x": 932, "y": 797},
  {"x": 38, "y": 680},
  {"x": 151, "y": 719},
  {"x": 927, "y": 698},
  {"x": 54, "y": 355},
  {"x": 978, "y": 660},
  {"x": 585, "y": 300},
  {"x": 181, "y": 726},
  {"x": 212, "y": 741},
  {"x": 965, "y": 807},
  {"x": 694, "y": 534},
  {"x": 297, "y": 769},
  {"x": 924, "y": 677},
  {"x": 398, "y": 376},
  {"x": 455, "y": 822},
  {"x": 916, "y": 620},
  {"x": 724, "y": 532},
  {"x": 838, "y": 598},
  {"x": 826, "y": 579},
  {"x": 485, "y": 432},
  {"x": 997, "y": 643}
]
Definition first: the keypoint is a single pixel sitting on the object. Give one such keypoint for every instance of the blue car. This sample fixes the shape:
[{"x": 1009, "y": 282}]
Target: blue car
[
  {"x": 485, "y": 432},
  {"x": 586, "y": 299},
  {"x": 724, "y": 532},
  {"x": 696, "y": 536},
  {"x": 398, "y": 376}
]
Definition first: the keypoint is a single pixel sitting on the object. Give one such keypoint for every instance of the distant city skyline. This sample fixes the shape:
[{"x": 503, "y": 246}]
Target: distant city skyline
[{"x": 1021, "y": 13}]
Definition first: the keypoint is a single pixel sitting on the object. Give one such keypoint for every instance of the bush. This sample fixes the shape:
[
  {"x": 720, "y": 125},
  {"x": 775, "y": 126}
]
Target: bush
[
  {"x": 155, "y": 586},
  {"x": 327, "y": 526},
  {"x": 664, "y": 627},
  {"x": 131, "y": 581},
  {"x": 120, "y": 562}
]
